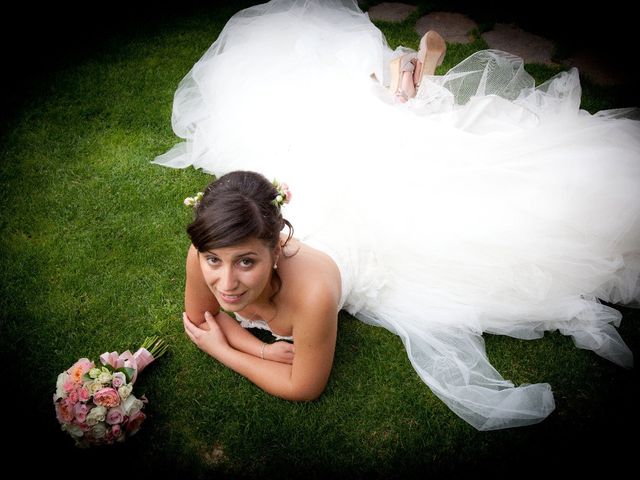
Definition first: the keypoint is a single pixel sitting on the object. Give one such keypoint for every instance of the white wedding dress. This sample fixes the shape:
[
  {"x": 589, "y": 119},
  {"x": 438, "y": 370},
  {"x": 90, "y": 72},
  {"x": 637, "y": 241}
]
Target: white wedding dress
[{"x": 485, "y": 204}]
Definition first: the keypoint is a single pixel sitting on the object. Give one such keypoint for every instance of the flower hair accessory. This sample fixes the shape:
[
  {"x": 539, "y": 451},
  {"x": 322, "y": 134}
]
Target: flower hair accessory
[
  {"x": 284, "y": 194},
  {"x": 194, "y": 201}
]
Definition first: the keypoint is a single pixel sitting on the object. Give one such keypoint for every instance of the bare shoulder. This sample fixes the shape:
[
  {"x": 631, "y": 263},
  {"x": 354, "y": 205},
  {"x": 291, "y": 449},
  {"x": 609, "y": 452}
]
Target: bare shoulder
[{"x": 314, "y": 279}]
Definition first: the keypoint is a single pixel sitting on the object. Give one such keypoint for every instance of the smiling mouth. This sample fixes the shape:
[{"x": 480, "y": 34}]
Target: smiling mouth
[{"x": 229, "y": 298}]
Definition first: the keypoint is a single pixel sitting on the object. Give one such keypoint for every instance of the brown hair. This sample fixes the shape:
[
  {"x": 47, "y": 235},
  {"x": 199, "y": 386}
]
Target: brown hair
[{"x": 236, "y": 207}]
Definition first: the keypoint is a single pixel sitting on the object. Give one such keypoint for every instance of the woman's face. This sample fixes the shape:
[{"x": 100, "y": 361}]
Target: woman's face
[{"x": 238, "y": 275}]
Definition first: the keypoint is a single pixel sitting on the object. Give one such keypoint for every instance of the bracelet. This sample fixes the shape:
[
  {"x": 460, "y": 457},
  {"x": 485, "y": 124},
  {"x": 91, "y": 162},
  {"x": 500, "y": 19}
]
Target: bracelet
[{"x": 264, "y": 344}]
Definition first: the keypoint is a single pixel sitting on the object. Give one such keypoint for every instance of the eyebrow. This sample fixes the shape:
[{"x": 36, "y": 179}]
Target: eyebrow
[
  {"x": 247, "y": 254},
  {"x": 235, "y": 257}
]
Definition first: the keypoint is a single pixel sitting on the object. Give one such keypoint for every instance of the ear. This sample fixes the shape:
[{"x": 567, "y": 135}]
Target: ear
[{"x": 276, "y": 255}]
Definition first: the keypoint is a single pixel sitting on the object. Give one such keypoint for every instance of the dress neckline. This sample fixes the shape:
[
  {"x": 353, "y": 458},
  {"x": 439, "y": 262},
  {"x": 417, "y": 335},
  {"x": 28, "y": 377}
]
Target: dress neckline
[{"x": 260, "y": 324}]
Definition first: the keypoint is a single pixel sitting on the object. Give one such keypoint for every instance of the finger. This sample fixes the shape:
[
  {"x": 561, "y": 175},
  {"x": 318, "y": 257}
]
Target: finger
[
  {"x": 189, "y": 334},
  {"x": 210, "y": 319},
  {"x": 186, "y": 320},
  {"x": 189, "y": 327}
]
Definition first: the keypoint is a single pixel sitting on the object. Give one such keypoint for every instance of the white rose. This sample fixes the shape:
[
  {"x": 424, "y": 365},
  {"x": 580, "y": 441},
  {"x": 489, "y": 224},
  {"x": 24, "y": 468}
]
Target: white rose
[
  {"x": 105, "y": 377},
  {"x": 99, "y": 430},
  {"x": 131, "y": 405},
  {"x": 93, "y": 387},
  {"x": 94, "y": 372},
  {"x": 97, "y": 414},
  {"x": 62, "y": 378},
  {"x": 73, "y": 429},
  {"x": 125, "y": 390}
]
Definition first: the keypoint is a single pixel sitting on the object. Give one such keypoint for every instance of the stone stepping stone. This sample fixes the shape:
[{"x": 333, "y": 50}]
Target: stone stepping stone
[
  {"x": 454, "y": 27},
  {"x": 391, "y": 12},
  {"x": 530, "y": 47}
]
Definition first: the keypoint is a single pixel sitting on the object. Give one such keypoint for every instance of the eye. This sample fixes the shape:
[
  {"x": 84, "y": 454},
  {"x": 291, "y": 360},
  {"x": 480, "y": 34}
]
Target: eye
[
  {"x": 212, "y": 261},
  {"x": 246, "y": 262}
]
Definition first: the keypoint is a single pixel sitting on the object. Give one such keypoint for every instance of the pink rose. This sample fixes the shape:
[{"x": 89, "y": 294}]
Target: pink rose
[
  {"x": 135, "y": 422},
  {"x": 286, "y": 191},
  {"x": 118, "y": 379},
  {"x": 114, "y": 416},
  {"x": 107, "y": 397},
  {"x": 82, "y": 426},
  {"x": 64, "y": 411},
  {"x": 116, "y": 430},
  {"x": 83, "y": 394},
  {"x": 80, "y": 411},
  {"x": 69, "y": 386}
]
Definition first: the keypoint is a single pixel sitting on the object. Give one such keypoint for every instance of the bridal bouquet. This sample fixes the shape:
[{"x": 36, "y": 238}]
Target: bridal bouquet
[{"x": 95, "y": 404}]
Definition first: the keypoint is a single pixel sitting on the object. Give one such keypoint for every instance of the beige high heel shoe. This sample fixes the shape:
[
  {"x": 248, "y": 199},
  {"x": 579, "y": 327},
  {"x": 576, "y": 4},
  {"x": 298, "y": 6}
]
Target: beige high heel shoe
[
  {"x": 397, "y": 66},
  {"x": 431, "y": 54}
]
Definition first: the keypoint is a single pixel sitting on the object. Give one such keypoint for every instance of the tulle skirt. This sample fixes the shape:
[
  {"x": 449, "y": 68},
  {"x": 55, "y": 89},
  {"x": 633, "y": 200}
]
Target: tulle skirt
[{"x": 485, "y": 204}]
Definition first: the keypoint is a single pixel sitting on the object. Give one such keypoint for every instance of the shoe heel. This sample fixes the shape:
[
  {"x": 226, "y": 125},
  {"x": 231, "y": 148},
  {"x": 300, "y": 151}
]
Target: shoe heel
[{"x": 433, "y": 49}]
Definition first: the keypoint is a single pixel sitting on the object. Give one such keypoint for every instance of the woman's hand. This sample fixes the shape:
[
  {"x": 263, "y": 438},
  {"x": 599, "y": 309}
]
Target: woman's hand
[
  {"x": 209, "y": 337},
  {"x": 280, "y": 351}
]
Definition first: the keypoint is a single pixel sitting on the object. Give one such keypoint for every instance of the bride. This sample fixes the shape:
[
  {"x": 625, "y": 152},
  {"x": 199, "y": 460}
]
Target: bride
[{"x": 478, "y": 203}]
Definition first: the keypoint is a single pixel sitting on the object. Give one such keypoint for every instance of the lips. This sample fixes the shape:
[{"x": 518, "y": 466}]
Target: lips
[{"x": 230, "y": 298}]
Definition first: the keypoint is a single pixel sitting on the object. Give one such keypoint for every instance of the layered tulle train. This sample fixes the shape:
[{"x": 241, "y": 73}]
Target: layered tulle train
[{"x": 485, "y": 204}]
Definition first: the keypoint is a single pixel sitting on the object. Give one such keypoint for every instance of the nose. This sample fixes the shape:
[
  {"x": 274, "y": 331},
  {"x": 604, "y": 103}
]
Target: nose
[{"x": 227, "y": 282}]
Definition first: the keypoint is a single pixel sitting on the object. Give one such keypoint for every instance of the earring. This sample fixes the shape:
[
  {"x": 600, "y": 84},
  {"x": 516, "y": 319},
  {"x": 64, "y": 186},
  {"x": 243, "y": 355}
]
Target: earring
[{"x": 275, "y": 266}]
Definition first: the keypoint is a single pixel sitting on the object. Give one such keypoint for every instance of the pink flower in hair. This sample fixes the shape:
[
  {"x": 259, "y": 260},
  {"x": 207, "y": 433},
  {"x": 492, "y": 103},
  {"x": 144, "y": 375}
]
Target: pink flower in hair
[{"x": 284, "y": 194}]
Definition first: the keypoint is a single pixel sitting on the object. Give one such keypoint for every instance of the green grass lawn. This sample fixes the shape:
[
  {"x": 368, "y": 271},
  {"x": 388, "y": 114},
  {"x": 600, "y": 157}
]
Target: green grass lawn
[{"x": 92, "y": 249}]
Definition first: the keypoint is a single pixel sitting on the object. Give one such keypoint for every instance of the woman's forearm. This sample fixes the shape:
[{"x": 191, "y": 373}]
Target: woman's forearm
[
  {"x": 238, "y": 337},
  {"x": 272, "y": 377}
]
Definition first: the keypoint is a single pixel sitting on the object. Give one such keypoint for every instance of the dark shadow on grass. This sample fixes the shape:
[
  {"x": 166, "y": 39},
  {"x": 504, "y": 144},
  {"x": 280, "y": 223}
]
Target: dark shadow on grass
[{"x": 52, "y": 36}]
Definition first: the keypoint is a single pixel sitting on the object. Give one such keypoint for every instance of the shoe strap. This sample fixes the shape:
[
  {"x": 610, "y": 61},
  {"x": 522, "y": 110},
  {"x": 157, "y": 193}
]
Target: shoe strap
[{"x": 408, "y": 62}]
